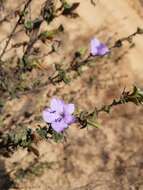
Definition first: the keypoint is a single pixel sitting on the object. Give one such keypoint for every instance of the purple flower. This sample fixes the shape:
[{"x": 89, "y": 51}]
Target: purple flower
[
  {"x": 98, "y": 48},
  {"x": 59, "y": 115}
]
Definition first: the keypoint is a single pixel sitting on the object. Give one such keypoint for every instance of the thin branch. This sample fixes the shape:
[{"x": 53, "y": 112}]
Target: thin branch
[{"x": 15, "y": 27}]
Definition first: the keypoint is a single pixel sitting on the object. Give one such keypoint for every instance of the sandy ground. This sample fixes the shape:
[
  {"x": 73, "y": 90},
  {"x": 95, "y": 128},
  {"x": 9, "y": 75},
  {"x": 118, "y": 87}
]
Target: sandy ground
[{"x": 109, "y": 158}]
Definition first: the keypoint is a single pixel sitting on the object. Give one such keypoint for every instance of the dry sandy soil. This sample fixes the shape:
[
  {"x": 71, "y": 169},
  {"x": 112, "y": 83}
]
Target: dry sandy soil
[{"x": 109, "y": 158}]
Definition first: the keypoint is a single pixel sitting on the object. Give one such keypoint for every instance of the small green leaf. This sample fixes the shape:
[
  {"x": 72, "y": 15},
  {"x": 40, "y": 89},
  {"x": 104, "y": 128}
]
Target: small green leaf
[
  {"x": 82, "y": 50},
  {"x": 20, "y": 136},
  {"x": 47, "y": 35},
  {"x": 93, "y": 124},
  {"x": 57, "y": 137},
  {"x": 66, "y": 79},
  {"x": 69, "y": 8},
  {"x": 42, "y": 132},
  {"x": 28, "y": 24}
]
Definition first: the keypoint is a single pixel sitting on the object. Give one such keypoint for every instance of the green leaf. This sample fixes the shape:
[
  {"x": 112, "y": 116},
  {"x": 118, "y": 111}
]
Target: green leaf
[
  {"x": 69, "y": 8},
  {"x": 57, "y": 137},
  {"x": 93, "y": 124},
  {"x": 47, "y": 34},
  {"x": 92, "y": 120},
  {"x": 21, "y": 136},
  {"x": 66, "y": 79},
  {"x": 82, "y": 50},
  {"x": 42, "y": 132},
  {"x": 28, "y": 24}
]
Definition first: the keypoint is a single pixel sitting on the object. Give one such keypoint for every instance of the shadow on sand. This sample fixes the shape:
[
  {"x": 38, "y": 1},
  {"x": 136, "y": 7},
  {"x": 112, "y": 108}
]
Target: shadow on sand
[{"x": 5, "y": 180}]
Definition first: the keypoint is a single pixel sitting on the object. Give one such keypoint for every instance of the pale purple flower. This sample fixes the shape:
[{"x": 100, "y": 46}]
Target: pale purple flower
[
  {"x": 59, "y": 115},
  {"x": 98, "y": 48}
]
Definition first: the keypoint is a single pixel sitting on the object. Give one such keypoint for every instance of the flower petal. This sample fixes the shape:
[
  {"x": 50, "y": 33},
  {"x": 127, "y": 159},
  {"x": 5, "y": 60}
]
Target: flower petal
[
  {"x": 93, "y": 50},
  {"x": 94, "y": 44},
  {"x": 69, "y": 119},
  {"x": 57, "y": 105},
  {"x": 102, "y": 49},
  {"x": 49, "y": 117},
  {"x": 69, "y": 108},
  {"x": 59, "y": 126}
]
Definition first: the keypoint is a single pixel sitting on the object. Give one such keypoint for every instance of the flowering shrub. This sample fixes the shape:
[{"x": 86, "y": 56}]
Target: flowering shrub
[{"x": 59, "y": 115}]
